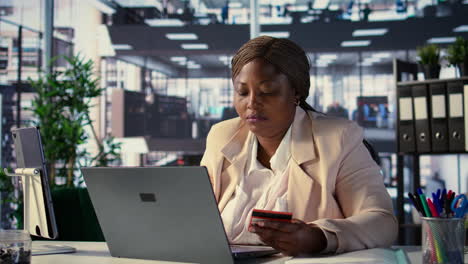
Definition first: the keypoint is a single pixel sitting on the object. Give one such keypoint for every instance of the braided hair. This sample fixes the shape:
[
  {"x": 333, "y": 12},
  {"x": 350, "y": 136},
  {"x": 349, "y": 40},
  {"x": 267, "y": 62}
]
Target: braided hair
[
  {"x": 289, "y": 59},
  {"x": 285, "y": 55}
]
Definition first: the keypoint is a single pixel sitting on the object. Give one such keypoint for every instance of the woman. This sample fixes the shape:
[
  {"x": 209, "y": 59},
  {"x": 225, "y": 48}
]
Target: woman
[{"x": 281, "y": 155}]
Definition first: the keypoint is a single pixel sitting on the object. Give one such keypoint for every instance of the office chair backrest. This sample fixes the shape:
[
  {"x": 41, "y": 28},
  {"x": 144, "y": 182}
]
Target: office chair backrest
[{"x": 374, "y": 154}]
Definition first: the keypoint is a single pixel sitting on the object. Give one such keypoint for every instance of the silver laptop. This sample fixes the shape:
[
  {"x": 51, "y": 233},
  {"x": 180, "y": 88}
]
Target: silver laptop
[{"x": 162, "y": 213}]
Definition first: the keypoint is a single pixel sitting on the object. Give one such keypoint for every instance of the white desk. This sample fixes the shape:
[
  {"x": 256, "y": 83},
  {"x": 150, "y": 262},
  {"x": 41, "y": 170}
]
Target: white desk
[{"x": 98, "y": 253}]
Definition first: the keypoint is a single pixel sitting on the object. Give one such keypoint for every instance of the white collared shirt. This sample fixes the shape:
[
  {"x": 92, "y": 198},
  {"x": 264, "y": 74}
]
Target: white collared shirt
[
  {"x": 262, "y": 188},
  {"x": 259, "y": 188}
]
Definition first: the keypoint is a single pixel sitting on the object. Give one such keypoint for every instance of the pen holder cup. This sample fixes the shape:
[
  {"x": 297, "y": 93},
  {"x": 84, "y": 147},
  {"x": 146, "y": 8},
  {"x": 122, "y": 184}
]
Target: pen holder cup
[
  {"x": 15, "y": 247},
  {"x": 443, "y": 240}
]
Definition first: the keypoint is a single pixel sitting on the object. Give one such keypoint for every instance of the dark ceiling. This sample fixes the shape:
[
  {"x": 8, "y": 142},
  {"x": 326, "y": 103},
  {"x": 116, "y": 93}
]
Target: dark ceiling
[
  {"x": 316, "y": 37},
  {"x": 246, "y": 3}
]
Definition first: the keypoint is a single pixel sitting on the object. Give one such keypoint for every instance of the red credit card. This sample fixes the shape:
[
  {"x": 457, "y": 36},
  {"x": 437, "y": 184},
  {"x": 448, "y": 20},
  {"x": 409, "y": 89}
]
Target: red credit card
[{"x": 265, "y": 215}]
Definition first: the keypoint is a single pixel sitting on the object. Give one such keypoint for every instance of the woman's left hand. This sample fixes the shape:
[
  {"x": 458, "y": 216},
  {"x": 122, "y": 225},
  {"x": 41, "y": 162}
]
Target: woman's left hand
[{"x": 292, "y": 238}]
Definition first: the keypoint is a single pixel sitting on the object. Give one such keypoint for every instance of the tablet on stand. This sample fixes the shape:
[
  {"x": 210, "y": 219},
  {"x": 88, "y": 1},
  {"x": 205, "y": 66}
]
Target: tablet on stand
[{"x": 39, "y": 218}]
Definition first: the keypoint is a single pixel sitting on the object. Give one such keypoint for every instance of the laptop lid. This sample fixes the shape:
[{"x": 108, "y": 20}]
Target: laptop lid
[{"x": 158, "y": 213}]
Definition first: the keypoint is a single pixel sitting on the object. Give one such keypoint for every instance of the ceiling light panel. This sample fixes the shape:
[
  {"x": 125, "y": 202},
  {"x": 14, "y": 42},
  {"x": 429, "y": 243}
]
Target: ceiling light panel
[
  {"x": 199, "y": 46},
  {"x": 370, "y": 32},
  {"x": 328, "y": 56},
  {"x": 441, "y": 40},
  {"x": 321, "y": 4},
  {"x": 356, "y": 43},
  {"x": 235, "y": 4},
  {"x": 181, "y": 36},
  {"x": 276, "y": 34},
  {"x": 122, "y": 47},
  {"x": 462, "y": 28},
  {"x": 140, "y": 3},
  {"x": 382, "y": 55},
  {"x": 178, "y": 58},
  {"x": 169, "y": 22},
  {"x": 369, "y": 63}
]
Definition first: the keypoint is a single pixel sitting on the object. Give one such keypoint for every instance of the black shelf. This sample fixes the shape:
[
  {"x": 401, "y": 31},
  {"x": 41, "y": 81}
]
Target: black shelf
[
  {"x": 432, "y": 153},
  {"x": 413, "y": 158},
  {"x": 409, "y": 83}
]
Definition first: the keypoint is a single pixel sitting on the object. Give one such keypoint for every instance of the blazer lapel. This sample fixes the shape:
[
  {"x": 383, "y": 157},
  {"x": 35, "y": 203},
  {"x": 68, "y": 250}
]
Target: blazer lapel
[
  {"x": 302, "y": 145},
  {"x": 303, "y": 152},
  {"x": 300, "y": 185},
  {"x": 235, "y": 152}
]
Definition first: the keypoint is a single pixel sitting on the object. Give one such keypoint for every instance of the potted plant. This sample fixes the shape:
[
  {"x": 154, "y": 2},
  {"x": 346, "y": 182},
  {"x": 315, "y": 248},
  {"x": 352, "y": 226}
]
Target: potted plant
[
  {"x": 62, "y": 107},
  {"x": 429, "y": 56},
  {"x": 457, "y": 55}
]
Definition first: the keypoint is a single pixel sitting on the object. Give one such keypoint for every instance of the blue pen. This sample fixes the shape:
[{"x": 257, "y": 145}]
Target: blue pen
[{"x": 436, "y": 200}]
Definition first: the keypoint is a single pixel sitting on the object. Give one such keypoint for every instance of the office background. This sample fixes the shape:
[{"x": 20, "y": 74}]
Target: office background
[{"x": 164, "y": 67}]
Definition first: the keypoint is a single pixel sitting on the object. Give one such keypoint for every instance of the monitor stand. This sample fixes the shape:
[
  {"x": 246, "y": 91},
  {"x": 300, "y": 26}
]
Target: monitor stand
[{"x": 36, "y": 249}]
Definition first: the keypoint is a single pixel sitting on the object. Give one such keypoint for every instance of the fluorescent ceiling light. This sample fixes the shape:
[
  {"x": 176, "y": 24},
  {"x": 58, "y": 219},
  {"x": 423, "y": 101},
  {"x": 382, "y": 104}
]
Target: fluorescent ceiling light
[
  {"x": 322, "y": 65},
  {"x": 181, "y": 36},
  {"x": 299, "y": 8},
  {"x": 200, "y": 46},
  {"x": 167, "y": 22},
  {"x": 441, "y": 40},
  {"x": 235, "y": 4},
  {"x": 122, "y": 47},
  {"x": 355, "y": 43},
  {"x": 182, "y": 63},
  {"x": 382, "y": 55},
  {"x": 140, "y": 3},
  {"x": 194, "y": 66},
  {"x": 178, "y": 58},
  {"x": 370, "y": 32},
  {"x": 371, "y": 59},
  {"x": 322, "y": 61},
  {"x": 225, "y": 59},
  {"x": 462, "y": 28},
  {"x": 307, "y": 19},
  {"x": 328, "y": 57},
  {"x": 321, "y": 4},
  {"x": 366, "y": 63},
  {"x": 276, "y": 34},
  {"x": 102, "y": 6}
]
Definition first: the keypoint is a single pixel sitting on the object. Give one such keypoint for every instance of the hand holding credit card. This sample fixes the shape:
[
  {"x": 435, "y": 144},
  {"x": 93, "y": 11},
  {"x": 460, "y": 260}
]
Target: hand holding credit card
[{"x": 265, "y": 215}]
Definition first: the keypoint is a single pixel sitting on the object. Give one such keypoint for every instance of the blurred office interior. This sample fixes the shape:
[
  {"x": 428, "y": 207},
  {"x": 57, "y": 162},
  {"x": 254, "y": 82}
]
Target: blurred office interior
[{"x": 164, "y": 66}]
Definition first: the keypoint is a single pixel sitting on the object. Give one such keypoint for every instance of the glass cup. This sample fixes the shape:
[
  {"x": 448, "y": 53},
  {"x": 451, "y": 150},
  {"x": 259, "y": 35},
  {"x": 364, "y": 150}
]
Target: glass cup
[
  {"x": 443, "y": 240},
  {"x": 15, "y": 247}
]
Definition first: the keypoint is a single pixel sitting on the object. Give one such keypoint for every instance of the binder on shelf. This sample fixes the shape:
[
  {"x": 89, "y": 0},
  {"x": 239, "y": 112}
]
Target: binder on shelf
[
  {"x": 465, "y": 105},
  {"x": 406, "y": 142},
  {"x": 456, "y": 122},
  {"x": 421, "y": 118},
  {"x": 438, "y": 117}
]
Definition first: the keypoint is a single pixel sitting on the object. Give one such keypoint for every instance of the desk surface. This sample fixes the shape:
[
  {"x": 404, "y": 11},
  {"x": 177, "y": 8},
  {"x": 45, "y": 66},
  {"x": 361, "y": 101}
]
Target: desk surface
[{"x": 97, "y": 252}]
